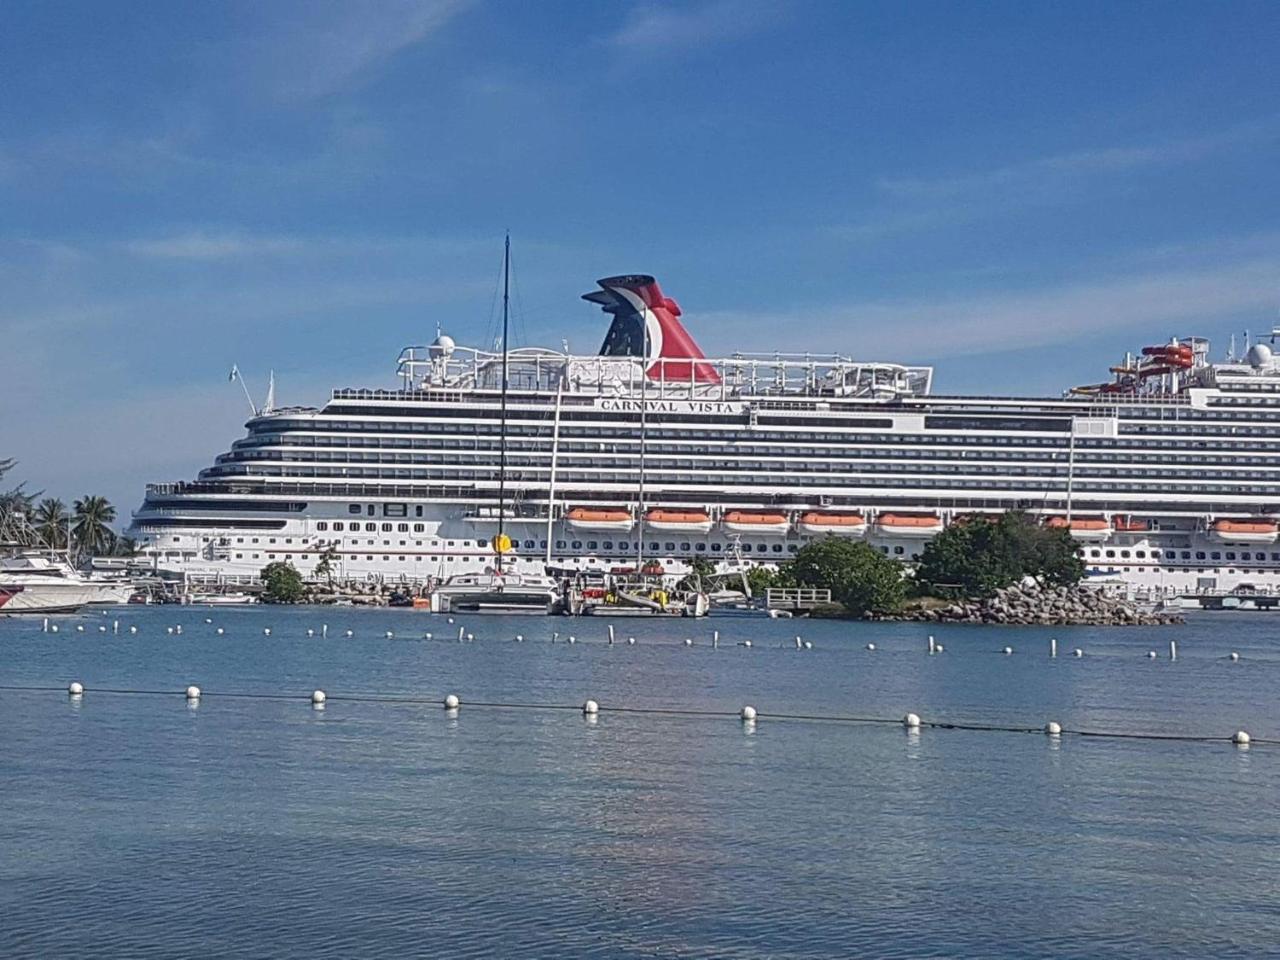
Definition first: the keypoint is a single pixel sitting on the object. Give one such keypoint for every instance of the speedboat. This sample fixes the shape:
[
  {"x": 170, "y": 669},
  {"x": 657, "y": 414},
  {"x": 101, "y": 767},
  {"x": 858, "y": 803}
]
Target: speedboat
[
  {"x": 495, "y": 591},
  {"x": 42, "y": 583}
]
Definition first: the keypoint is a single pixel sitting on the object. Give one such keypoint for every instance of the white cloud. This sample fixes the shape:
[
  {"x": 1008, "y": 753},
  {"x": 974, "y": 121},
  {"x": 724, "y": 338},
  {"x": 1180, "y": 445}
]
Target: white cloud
[
  {"x": 928, "y": 328},
  {"x": 655, "y": 28}
]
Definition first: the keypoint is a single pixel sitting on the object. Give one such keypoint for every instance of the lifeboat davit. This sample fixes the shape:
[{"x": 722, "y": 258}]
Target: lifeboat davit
[
  {"x": 600, "y": 520},
  {"x": 1083, "y": 528},
  {"x": 840, "y": 524},
  {"x": 909, "y": 524},
  {"x": 767, "y": 523},
  {"x": 1244, "y": 531},
  {"x": 679, "y": 521}
]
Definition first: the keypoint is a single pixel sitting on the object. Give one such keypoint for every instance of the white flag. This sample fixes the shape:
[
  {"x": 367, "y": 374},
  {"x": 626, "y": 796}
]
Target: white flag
[{"x": 234, "y": 373}]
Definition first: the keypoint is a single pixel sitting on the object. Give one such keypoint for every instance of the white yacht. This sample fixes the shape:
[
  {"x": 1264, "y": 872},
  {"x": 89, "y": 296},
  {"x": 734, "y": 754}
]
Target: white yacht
[{"x": 45, "y": 583}]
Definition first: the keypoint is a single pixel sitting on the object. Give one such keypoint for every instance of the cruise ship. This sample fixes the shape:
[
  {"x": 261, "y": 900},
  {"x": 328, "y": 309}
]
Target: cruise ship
[{"x": 649, "y": 452}]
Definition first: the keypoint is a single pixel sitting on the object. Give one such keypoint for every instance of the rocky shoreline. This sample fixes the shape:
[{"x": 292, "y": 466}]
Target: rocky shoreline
[{"x": 1050, "y": 606}]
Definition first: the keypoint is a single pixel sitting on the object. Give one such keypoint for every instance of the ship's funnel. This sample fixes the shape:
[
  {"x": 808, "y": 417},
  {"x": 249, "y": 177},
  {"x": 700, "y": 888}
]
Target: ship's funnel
[{"x": 643, "y": 317}]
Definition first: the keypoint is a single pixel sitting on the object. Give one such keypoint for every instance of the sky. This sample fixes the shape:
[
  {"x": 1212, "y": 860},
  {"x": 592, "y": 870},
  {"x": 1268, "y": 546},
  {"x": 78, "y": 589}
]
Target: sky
[{"x": 1015, "y": 193}]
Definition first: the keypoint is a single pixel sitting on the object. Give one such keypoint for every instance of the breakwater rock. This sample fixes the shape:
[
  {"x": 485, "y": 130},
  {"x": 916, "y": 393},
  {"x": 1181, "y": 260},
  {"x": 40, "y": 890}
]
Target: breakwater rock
[{"x": 1043, "y": 605}]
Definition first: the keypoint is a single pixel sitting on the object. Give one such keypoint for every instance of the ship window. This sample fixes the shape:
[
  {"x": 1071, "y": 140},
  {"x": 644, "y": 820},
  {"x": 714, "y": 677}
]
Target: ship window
[
  {"x": 239, "y": 556},
  {"x": 337, "y": 525},
  {"x": 395, "y": 510},
  {"x": 700, "y": 547},
  {"x": 370, "y": 512},
  {"x": 401, "y": 559},
  {"x": 418, "y": 528},
  {"x": 898, "y": 550},
  {"x": 684, "y": 547},
  {"x": 1231, "y": 555},
  {"x": 715, "y": 548},
  {"x": 670, "y": 546},
  {"x": 529, "y": 544},
  {"x": 1095, "y": 553},
  {"x": 255, "y": 539},
  {"x": 322, "y": 525},
  {"x": 624, "y": 544},
  {"x": 402, "y": 528},
  {"x": 746, "y": 548},
  {"x": 1124, "y": 554},
  {"x": 560, "y": 544},
  {"x": 1215, "y": 555},
  {"x": 386, "y": 527},
  {"x": 577, "y": 545},
  {"x": 417, "y": 511},
  {"x": 777, "y": 548},
  {"x": 608, "y": 544},
  {"x": 1186, "y": 555},
  {"x": 1111, "y": 554},
  {"x": 353, "y": 508},
  {"x": 654, "y": 546},
  {"x": 271, "y": 556},
  {"x": 884, "y": 549},
  {"x": 592, "y": 544},
  {"x": 792, "y": 548}
]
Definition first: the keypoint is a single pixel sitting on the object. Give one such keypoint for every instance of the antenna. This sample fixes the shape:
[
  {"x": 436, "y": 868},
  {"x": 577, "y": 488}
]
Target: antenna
[{"x": 236, "y": 375}]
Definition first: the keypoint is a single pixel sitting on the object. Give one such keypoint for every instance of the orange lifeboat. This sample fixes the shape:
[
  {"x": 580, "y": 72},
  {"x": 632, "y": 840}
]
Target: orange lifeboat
[
  {"x": 767, "y": 523},
  {"x": 909, "y": 524},
  {"x": 1244, "y": 531},
  {"x": 1082, "y": 528},
  {"x": 1131, "y": 525},
  {"x": 603, "y": 520},
  {"x": 839, "y": 524},
  {"x": 679, "y": 521}
]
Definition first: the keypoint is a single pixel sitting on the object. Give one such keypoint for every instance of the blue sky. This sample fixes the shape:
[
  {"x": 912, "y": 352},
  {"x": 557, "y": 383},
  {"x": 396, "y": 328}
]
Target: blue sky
[{"x": 1014, "y": 192}]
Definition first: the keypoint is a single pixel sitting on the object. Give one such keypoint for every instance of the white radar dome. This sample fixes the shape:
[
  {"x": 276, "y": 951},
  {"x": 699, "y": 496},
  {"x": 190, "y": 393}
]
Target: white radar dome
[
  {"x": 442, "y": 346},
  {"x": 1259, "y": 355}
]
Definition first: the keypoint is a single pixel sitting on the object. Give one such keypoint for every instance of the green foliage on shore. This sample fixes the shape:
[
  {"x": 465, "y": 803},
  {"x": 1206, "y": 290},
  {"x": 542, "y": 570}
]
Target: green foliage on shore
[
  {"x": 281, "y": 583},
  {"x": 861, "y": 578},
  {"x": 979, "y": 556}
]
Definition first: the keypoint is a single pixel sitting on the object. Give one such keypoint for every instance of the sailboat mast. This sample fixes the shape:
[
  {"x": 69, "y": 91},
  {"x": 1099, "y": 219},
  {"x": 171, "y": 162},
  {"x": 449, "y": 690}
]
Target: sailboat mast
[{"x": 499, "y": 541}]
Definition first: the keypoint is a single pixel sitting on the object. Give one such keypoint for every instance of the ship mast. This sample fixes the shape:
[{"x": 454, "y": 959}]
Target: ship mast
[
  {"x": 644, "y": 423},
  {"x": 500, "y": 541}
]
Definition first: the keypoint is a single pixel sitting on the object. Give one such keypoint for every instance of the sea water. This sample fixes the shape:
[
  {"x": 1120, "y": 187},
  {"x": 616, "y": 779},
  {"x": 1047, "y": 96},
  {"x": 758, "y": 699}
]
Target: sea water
[{"x": 141, "y": 826}]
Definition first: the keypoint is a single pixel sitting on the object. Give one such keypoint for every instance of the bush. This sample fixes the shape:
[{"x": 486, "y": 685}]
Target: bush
[
  {"x": 861, "y": 578},
  {"x": 281, "y": 583},
  {"x": 979, "y": 556}
]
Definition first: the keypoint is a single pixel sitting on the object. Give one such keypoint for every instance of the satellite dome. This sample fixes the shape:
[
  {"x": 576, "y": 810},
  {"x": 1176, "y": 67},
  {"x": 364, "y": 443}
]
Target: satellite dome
[
  {"x": 1259, "y": 355},
  {"x": 442, "y": 346}
]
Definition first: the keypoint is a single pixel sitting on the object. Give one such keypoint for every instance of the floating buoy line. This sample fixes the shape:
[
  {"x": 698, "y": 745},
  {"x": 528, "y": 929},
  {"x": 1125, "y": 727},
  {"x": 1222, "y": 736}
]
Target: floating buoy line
[{"x": 913, "y": 723}]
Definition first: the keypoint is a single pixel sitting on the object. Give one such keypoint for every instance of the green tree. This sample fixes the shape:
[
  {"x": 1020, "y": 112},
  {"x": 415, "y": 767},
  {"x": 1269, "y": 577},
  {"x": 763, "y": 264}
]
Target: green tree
[
  {"x": 124, "y": 547},
  {"x": 761, "y": 578},
  {"x": 979, "y": 556},
  {"x": 325, "y": 565},
  {"x": 700, "y": 571},
  {"x": 92, "y": 525},
  {"x": 51, "y": 522},
  {"x": 281, "y": 583},
  {"x": 861, "y": 578},
  {"x": 16, "y": 510}
]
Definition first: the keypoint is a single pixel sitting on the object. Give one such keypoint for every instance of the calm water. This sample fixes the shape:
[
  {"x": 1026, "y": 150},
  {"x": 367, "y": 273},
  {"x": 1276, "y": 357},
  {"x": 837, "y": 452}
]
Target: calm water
[{"x": 138, "y": 827}]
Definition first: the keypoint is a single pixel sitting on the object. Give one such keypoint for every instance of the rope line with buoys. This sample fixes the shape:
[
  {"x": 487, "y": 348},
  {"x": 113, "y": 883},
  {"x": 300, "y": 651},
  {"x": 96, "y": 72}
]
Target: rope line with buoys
[{"x": 747, "y": 714}]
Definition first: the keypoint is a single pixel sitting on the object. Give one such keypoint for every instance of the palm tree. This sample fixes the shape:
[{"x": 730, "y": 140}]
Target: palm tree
[
  {"x": 93, "y": 518},
  {"x": 51, "y": 522}
]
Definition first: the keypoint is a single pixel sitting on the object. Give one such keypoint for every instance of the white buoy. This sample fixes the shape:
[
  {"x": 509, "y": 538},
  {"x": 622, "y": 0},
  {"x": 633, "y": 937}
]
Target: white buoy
[
  {"x": 53, "y": 628},
  {"x": 631, "y": 641},
  {"x": 178, "y": 629},
  {"x": 554, "y": 636},
  {"x": 451, "y": 619},
  {"x": 75, "y": 688},
  {"x": 1240, "y": 738},
  {"x": 79, "y": 628},
  {"x": 193, "y": 692},
  {"x": 808, "y": 644},
  {"x": 220, "y": 631},
  {"x": 425, "y": 636},
  {"x": 748, "y": 714},
  {"x": 1151, "y": 654},
  {"x": 611, "y": 634},
  {"x": 1053, "y": 728},
  {"x": 102, "y": 628},
  {"x": 1007, "y": 651},
  {"x": 451, "y": 702},
  {"x": 391, "y": 634},
  {"x": 1077, "y": 652},
  {"x": 590, "y": 708},
  {"x": 266, "y": 631},
  {"x": 352, "y": 633},
  {"x": 747, "y": 644},
  {"x": 1053, "y": 646},
  {"x": 310, "y": 632},
  {"x": 911, "y": 721},
  {"x": 688, "y": 641},
  {"x": 519, "y": 638},
  {"x": 572, "y": 638},
  {"x": 169, "y": 629},
  {"x": 471, "y": 637},
  {"x": 1234, "y": 656},
  {"x": 939, "y": 647},
  {"x": 131, "y": 629},
  {"x": 318, "y": 697},
  {"x": 1173, "y": 649},
  {"x": 208, "y": 619},
  {"x": 871, "y": 647}
]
